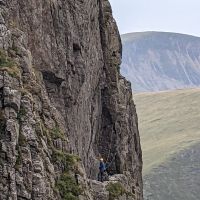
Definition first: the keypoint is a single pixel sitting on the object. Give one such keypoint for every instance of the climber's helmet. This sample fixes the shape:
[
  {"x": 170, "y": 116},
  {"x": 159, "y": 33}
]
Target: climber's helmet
[{"x": 101, "y": 159}]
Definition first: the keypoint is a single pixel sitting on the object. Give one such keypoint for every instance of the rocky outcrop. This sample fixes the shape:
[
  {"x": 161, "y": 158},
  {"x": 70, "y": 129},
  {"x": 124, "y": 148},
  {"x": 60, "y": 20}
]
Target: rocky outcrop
[{"x": 63, "y": 102}]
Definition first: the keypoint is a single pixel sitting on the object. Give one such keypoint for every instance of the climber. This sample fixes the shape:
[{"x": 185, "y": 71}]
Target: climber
[{"x": 102, "y": 169}]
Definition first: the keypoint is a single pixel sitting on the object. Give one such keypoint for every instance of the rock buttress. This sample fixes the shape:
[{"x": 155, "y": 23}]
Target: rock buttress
[{"x": 63, "y": 102}]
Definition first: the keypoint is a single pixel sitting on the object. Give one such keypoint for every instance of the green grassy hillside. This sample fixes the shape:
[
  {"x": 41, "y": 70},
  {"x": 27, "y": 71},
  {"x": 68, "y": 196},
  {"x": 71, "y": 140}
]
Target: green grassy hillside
[
  {"x": 169, "y": 124},
  {"x": 176, "y": 179}
]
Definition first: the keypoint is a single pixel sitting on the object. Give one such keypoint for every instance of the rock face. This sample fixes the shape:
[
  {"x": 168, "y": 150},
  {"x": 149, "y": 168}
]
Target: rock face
[
  {"x": 64, "y": 103},
  {"x": 156, "y": 61}
]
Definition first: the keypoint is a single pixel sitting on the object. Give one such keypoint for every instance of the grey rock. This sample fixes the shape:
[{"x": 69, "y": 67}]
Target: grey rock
[
  {"x": 69, "y": 99},
  {"x": 12, "y": 98},
  {"x": 99, "y": 190}
]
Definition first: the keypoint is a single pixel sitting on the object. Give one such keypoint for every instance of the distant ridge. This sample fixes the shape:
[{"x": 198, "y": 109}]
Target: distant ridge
[
  {"x": 157, "y": 61},
  {"x": 135, "y": 35}
]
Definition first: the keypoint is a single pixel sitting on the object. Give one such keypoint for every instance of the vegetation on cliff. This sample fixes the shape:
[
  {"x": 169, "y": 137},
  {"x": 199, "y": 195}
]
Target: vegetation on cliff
[{"x": 8, "y": 64}]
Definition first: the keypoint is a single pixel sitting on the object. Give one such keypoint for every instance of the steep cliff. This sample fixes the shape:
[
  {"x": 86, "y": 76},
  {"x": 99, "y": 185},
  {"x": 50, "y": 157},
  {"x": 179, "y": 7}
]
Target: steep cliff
[{"x": 64, "y": 103}]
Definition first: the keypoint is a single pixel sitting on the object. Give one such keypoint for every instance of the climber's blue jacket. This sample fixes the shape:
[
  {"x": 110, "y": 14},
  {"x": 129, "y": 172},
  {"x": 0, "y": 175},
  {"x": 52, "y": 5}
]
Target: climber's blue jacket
[{"x": 102, "y": 167}]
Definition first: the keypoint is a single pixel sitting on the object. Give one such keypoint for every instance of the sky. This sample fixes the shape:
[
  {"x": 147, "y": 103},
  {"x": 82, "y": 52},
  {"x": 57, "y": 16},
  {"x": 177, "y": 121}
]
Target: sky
[{"x": 180, "y": 16}]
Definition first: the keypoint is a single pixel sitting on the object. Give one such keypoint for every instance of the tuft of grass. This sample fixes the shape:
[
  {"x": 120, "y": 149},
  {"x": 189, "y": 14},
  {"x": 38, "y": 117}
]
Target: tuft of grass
[
  {"x": 68, "y": 188},
  {"x": 7, "y": 64},
  {"x": 68, "y": 160},
  {"x": 22, "y": 112},
  {"x": 16, "y": 50},
  {"x": 43, "y": 128},
  {"x": 5, "y": 61},
  {"x": 66, "y": 184},
  {"x": 22, "y": 140},
  {"x": 51, "y": 134},
  {"x": 56, "y": 133},
  {"x": 115, "y": 190}
]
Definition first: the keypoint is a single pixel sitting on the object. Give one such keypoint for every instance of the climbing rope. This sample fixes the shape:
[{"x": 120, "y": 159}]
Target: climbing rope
[{"x": 111, "y": 161}]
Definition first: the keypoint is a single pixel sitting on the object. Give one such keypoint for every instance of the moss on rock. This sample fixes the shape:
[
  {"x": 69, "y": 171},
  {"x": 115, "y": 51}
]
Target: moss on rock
[
  {"x": 116, "y": 190},
  {"x": 68, "y": 160},
  {"x": 8, "y": 64},
  {"x": 56, "y": 133},
  {"x": 68, "y": 188},
  {"x": 22, "y": 112}
]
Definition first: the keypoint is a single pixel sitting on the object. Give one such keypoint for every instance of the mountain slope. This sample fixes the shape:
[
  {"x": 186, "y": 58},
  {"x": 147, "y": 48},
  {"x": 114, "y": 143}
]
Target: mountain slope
[
  {"x": 170, "y": 138},
  {"x": 177, "y": 179},
  {"x": 156, "y": 61}
]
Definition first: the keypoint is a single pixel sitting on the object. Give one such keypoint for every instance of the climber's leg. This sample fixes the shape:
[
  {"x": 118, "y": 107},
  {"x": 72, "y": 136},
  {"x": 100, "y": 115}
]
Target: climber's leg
[
  {"x": 101, "y": 176},
  {"x": 98, "y": 177}
]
